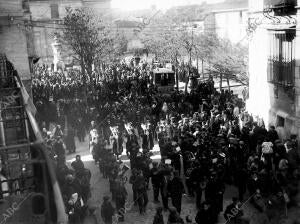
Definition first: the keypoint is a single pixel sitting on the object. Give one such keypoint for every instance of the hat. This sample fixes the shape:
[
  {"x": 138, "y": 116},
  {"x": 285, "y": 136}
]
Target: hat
[{"x": 105, "y": 198}]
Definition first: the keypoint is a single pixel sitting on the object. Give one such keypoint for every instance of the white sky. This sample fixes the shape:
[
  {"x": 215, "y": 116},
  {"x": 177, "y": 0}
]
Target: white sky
[{"x": 160, "y": 4}]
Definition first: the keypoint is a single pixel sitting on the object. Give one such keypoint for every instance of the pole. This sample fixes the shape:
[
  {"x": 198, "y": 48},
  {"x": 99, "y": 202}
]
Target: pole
[
  {"x": 221, "y": 80},
  {"x": 191, "y": 51},
  {"x": 176, "y": 74},
  {"x": 202, "y": 68},
  {"x": 190, "y": 62}
]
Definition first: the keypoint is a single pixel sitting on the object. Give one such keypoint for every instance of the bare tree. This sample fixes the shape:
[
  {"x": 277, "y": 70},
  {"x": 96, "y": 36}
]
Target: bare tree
[
  {"x": 86, "y": 36},
  {"x": 229, "y": 61}
]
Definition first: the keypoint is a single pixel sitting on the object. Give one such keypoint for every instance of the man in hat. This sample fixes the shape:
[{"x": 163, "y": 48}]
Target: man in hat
[
  {"x": 59, "y": 148},
  {"x": 205, "y": 214},
  {"x": 142, "y": 197},
  {"x": 156, "y": 179},
  {"x": 132, "y": 152},
  {"x": 107, "y": 210},
  {"x": 176, "y": 189},
  {"x": 215, "y": 190},
  {"x": 77, "y": 165},
  {"x": 121, "y": 195}
]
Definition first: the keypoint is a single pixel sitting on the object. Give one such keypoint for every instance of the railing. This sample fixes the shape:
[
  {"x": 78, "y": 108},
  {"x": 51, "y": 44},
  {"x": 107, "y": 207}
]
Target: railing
[
  {"x": 281, "y": 72},
  {"x": 29, "y": 178}
]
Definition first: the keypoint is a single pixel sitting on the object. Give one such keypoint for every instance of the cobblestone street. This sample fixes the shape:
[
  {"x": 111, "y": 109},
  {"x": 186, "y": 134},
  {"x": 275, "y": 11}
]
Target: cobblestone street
[{"x": 100, "y": 187}]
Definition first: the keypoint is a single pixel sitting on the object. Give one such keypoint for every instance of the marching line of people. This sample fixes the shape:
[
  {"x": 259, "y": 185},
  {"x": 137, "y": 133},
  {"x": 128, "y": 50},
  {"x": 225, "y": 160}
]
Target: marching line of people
[{"x": 207, "y": 142}]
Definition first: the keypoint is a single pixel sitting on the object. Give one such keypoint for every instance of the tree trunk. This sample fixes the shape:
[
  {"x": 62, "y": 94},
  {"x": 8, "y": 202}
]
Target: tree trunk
[
  {"x": 186, "y": 82},
  {"x": 176, "y": 77},
  {"x": 90, "y": 75},
  {"x": 176, "y": 74},
  {"x": 202, "y": 68},
  {"x": 221, "y": 81},
  {"x": 228, "y": 84},
  {"x": 84, "y": 81}
]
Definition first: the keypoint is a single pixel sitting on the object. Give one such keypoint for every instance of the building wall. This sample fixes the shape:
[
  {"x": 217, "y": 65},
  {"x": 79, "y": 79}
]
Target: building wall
[
  {"x": 210, "y": 23},
  {"x": 265, "y": 99},
  {"x": 14, "y": 36},
  {"x": 100, "y": 7},
  {"x": 259, "y": 93},
  {"x": 13, "y": 43},
  {"x": 43, "y": 38},
  {"x": 46, "y": 25},
  {"x": 231, "y": 25},
  {"x": 297, "y": 75},
  {"x": 41, "y": 10}
]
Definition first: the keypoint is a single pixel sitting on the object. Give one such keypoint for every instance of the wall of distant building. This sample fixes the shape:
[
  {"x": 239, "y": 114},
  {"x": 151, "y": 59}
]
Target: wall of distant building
[
  {"x": 231, "y": 24},
  {"x": 47, "y": 17},
  {"x": 13, "y": 43},
  {"x": 15, "y": 36}
]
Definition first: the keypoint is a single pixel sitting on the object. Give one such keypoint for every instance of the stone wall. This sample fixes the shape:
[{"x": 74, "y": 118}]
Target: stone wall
[{"x": 13, "y": 43}]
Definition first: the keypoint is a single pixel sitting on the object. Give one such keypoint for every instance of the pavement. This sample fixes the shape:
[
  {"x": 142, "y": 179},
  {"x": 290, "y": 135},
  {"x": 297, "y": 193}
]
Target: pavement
[{"x": 100, "y": 188}]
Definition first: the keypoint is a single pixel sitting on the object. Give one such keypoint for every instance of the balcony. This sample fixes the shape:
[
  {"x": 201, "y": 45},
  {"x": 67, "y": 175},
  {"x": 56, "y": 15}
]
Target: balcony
[{"x": 281, "y": 7}]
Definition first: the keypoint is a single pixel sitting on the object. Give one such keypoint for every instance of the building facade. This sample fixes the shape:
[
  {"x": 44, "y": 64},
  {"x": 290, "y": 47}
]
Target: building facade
[
  {"x": 274, "y": 64},
  {"x": 15, "y": 36},
  {"x": 47, "y": 16},
  {"x": 228, "y": 20}
]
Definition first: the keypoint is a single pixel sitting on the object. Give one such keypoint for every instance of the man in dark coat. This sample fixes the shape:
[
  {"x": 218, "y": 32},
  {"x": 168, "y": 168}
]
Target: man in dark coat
[
  {"x": 164, "y": 190},
  {"x": 59, "y": 149},
  {"x": 156, "y": 179},
  {"x": 241, "y": 181},
  {"x": 292, "y": 156},
  {"x": 77, "y": 165},
  {"x": 70, "y": 140},
  {"x": 121, "y": 195},
  {"x": 107, "y": 210},
  {"x": 132, "y": 151},
  {"x": 147, "y": 141},
  {"x": 205, "y": 214},
  {"x": 80, "y": 129},
  {"x": 142, "y": 197},
  {"x": 214, "y": 192},
  {"x": 176, "y": 189},
  {"x": 272, "y": 134}
]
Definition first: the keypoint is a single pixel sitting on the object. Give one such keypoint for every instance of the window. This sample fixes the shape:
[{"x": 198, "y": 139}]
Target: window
[
  {"x": 281, "y": 63},
  {"x": 241, "y": 16},
  {"x": 30, "y": 60},
  {"x": 54, "y": 11},
  {"x": 25, "y": 5},
  {"x": 280, "y": 121}
]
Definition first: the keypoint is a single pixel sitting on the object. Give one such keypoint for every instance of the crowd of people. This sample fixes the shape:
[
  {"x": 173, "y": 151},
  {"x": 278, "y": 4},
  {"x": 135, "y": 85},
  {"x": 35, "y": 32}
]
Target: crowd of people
[
  {"x": 74, "y": 181},
  {"x": 206, "y": 139}
]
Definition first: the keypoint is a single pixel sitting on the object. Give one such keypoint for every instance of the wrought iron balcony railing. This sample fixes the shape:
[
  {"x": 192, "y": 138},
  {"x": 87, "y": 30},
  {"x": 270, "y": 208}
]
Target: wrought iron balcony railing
[{"x": 281, "y": 72}]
